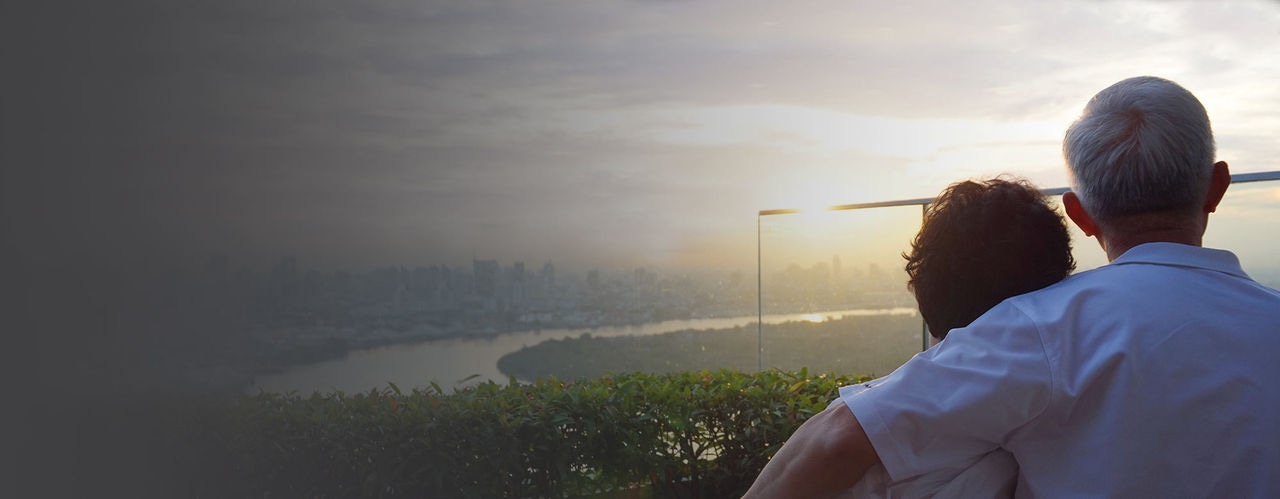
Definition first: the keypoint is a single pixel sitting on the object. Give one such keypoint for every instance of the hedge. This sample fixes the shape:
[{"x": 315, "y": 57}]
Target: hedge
[{"x": 690, "y": 434}]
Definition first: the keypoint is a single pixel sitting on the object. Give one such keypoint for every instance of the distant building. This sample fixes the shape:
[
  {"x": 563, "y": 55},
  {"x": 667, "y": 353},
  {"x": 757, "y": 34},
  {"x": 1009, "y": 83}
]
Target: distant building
[
  {"x": 486, "y": 277},
  {"x": 548, "y": 275},
  {"x": 515, "y": 284}
]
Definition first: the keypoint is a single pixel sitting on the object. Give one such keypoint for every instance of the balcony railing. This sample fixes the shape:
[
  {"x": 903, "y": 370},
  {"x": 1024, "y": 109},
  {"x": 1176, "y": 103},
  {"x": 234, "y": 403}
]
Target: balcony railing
[{"x": 1244, "y": 223}]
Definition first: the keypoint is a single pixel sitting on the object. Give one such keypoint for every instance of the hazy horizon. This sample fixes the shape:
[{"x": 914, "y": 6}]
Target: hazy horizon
[
  {"x": 612, "y": 135},
  {"x": 616, "y": 134}
]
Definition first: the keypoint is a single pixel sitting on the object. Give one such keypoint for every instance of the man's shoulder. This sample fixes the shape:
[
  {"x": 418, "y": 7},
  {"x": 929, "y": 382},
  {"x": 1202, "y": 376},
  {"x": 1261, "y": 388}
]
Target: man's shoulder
[
  {"x": 1094, "y": 291},
  {"x": 1072, "y": 285},
  {"x": 1159, "y": 289},
  {"x": 1147, "y": 264}
]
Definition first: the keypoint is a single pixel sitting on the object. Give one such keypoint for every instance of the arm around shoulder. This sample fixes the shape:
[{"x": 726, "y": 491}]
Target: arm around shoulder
[{"x": 827, "y": 455}]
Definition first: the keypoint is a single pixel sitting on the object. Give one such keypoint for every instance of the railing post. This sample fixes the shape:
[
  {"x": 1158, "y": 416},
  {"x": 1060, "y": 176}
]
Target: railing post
[
  {"x": 924, "y": 326},
  {"x": 759, "y": 302}
]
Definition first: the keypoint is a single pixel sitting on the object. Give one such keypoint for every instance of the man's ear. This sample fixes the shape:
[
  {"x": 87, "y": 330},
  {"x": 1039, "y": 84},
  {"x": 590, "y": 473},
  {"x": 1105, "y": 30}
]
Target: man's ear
[
  {"x": 1217, "y": 186},
  {"x": 1077, "y": 214}
]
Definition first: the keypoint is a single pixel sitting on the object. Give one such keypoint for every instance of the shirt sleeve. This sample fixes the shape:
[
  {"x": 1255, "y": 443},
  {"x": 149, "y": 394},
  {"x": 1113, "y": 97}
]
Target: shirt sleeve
[{"x": 959, "y": 400}]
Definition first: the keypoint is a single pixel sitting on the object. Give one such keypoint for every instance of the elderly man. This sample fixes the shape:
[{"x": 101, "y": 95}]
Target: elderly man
[{"x": 1152, "y": 376}]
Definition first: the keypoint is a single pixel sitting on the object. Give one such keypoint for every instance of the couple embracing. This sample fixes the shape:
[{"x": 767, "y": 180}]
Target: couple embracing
[{"x": 1151, "y": 376}]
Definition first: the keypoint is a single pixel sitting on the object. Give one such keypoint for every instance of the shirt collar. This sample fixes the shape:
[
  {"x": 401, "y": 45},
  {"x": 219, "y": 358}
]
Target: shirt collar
[{"x": 1183, "y": 255}]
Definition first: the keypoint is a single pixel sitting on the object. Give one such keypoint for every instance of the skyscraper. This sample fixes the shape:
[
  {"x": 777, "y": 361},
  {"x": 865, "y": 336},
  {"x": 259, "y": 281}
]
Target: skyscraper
[{"x": 486, "y": 275}]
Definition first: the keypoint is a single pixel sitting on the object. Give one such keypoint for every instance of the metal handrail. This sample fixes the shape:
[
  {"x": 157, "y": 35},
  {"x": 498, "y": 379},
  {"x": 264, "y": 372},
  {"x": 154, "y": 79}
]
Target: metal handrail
[{"x": 1238, "y": 178}]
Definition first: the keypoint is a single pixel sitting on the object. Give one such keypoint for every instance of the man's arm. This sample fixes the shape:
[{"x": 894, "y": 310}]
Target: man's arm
[{"x": 827, "y": 455}]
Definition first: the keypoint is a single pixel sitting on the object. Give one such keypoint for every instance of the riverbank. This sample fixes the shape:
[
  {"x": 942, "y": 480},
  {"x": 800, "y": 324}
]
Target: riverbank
[
  {"x": 865, "y": 345},
  {"x": 472, "y": 359},
  {"x": 272, "y": 351},
  {"x": 281, "y": 348}
]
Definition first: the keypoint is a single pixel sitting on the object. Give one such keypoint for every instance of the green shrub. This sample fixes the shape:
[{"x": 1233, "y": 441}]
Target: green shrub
[{"x": 690, "y": 434}]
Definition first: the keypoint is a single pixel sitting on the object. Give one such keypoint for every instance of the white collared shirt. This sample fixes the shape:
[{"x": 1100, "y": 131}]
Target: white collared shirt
[
  {"x": 989, "y": 476},
  {"x": 1154, "y": 376}
]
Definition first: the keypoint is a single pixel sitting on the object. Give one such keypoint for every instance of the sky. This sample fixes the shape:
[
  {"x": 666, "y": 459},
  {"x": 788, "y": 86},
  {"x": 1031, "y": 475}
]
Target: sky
[{"x": 354, "y": 135}]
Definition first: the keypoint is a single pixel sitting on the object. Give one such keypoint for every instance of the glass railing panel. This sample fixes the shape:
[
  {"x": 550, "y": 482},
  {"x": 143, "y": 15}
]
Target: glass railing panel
[
  {"x": 1247, "y": 222},
  {"x": 799, "y": 250},
  {"x": 834, "y": 296}
]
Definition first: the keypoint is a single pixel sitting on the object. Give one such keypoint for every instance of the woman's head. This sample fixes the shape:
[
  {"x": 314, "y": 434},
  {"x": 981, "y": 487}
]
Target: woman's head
[{"x": 982, "y": 242}]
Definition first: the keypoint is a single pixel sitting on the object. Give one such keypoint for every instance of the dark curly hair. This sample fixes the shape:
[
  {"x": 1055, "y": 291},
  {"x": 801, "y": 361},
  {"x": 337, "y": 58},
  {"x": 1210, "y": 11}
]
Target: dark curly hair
[{"x": 982, "y": 242}]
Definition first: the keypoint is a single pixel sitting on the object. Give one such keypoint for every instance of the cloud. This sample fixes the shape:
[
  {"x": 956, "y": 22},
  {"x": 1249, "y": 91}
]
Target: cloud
[{"x": 420, "y": 131}]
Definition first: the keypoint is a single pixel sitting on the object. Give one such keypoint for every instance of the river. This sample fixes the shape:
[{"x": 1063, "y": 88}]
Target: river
[{"x": 450, "y": 362}]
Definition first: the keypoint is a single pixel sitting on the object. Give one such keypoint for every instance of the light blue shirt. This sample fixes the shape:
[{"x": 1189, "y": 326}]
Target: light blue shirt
[{"x": 1153, "y": 376}]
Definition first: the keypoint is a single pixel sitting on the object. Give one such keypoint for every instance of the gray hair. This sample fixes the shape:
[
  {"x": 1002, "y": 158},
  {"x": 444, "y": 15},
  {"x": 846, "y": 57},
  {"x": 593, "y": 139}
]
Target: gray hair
[{"x": 1142, "y": 145}]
